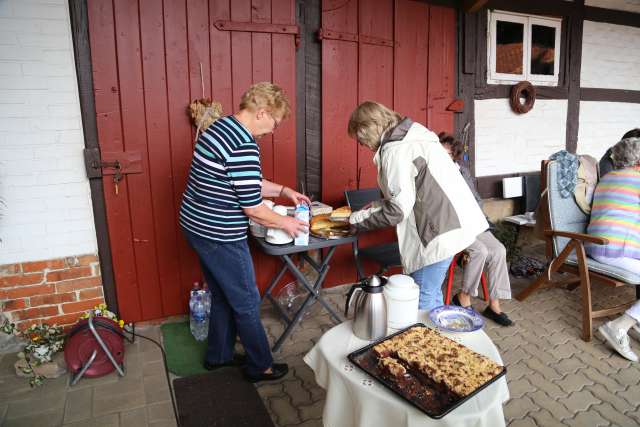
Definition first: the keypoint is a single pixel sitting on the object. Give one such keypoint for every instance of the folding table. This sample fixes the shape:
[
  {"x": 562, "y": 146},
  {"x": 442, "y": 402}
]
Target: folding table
[{"x": 285, "y": 252}]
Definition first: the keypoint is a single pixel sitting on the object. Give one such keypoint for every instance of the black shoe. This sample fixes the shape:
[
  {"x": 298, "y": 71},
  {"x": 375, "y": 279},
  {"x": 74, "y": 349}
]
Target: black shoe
[
  {"x": 499, "y": 318},
  {"x": 456, "y": 301},
  {"x": 238, "y": 360},
  {"x": 278, "y": 370}
]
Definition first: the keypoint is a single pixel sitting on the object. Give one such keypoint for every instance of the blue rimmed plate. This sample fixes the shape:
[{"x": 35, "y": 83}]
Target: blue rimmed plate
[{"x": 453, "y": 318}]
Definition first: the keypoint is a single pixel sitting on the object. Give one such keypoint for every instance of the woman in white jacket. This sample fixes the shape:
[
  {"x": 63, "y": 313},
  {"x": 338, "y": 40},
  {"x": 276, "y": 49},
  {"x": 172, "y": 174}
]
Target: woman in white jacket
[{"x": 433, "y": 222}]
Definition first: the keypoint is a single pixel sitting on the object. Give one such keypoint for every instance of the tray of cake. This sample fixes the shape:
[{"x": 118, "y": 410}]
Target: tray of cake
[{"x": 430, "y": 371}]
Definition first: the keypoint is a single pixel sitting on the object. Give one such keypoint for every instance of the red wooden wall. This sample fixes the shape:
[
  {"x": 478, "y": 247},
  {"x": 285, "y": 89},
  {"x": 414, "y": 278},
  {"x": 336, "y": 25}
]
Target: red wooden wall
[
  {"x": 146, "y": 57},
  {"x": 404, "y": 57}
]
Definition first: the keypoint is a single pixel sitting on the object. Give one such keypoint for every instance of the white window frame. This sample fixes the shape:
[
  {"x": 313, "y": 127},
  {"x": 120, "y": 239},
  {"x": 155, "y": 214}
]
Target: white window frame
[{"x": 494, "y": 77}]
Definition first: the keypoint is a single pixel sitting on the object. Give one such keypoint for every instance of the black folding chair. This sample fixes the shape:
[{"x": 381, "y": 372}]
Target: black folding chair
[{"x": 386, "y": 255}]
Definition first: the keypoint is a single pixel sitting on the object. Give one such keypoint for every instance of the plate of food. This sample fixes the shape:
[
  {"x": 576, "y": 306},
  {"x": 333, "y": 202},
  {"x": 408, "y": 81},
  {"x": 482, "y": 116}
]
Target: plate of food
[
  {"x": 453, "y": 318},
  {"x": 325, "y": 227}
]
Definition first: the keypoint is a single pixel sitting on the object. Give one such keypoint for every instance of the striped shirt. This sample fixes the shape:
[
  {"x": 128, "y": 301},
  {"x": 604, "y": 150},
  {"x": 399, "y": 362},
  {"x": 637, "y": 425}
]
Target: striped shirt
[
  {"x": 224, "y": 178},
  {"x": 615, "y": 215}
]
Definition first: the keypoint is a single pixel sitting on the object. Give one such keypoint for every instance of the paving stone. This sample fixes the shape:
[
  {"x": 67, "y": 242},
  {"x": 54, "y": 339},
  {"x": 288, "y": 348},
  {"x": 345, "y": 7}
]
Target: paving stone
[
  {"x": 160, "y": 411},
  {"x": 163, "y": 423},
  {"x": 518, "y": 408},
  {"x": 546, "y": 385},
  {"x": 51, "y": 418},
  {"x": 313, "y": 411},
  {"x": 523, "y": 422},
  {"x": 153, "y": 368},
  {"x": 547, "y": 371},
  {"x": 569, "y": 366},
  {"x": 517, "y": 371},
  {"x": 135, "y": 418},
  {"x": 544, "y": 418},
  {"x": 299, "y": 394},
  {"x": 6, "y": 364},
  {"x": 591, "y": 419},
  {"x": 123, "y": 395},
  {"x": 78, "y": 405},
  {"x": 285, "y": 413},
  {"x": 580, "y": 401},
  {"x": 53, "y": 402},
  {"x": 267, "y": 390},
  {"x": 312, "y": 423},
  {"x": 542, "y": 400},
  {"x": 611, "y": 383},
  {"x": 618, "y": 400},
  {"x": 156, "y": 389},
  {"x": 611, "y": 414},
  {"x": 3, "y": 411},
  {"x": 630, "y": 377},
  {"x": 519, "y": 388},
  {"x": 104, "y": 421},
  {"x": 573, "y": 382}
]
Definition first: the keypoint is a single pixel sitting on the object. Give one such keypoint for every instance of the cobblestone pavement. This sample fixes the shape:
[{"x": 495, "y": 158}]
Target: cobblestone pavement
[{"x": 554, "y": 378}]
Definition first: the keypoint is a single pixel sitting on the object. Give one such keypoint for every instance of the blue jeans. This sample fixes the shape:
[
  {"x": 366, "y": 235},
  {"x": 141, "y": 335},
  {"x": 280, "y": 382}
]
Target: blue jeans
[
  {"x": 430, "y": 279},
  {"x": 235, "y": 303}
]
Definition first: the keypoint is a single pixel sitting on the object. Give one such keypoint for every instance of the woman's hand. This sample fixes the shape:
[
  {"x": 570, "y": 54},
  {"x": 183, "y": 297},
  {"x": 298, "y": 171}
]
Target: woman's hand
[{"x": 294, "y": 196}]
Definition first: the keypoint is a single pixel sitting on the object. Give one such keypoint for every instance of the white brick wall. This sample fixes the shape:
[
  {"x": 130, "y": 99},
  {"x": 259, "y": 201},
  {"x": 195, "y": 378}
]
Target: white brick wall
[
  {"x": 47, "y": 203},
  {"x": 628, "y": 5},
  {"x": 506, "y": 142},
  {"x": 603, "y": 123},
  {"x": 610, "y": 56}
]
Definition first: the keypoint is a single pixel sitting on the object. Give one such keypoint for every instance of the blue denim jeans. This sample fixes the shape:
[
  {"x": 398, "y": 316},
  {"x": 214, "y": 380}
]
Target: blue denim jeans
[
  {"x": 235, "y": 303},
  {"x": 430, "y": 279}
]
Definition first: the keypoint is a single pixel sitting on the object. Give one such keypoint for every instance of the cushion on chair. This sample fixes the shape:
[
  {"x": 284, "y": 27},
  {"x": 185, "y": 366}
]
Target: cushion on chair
[
  {"x": 626, "y": 276},
  {"x": 564, "y": 213}
]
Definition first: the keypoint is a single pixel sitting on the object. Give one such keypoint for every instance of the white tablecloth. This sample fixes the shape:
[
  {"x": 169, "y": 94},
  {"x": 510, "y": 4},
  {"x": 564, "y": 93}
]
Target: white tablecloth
[{"x": 355, "y": 399}]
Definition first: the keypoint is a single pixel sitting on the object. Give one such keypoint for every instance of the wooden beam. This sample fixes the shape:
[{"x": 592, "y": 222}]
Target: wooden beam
[{"x": 471, "y": 6}]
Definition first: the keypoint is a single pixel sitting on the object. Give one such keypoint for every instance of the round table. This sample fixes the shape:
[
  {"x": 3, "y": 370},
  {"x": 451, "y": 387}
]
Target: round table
[{"x": 355, "y": 399}]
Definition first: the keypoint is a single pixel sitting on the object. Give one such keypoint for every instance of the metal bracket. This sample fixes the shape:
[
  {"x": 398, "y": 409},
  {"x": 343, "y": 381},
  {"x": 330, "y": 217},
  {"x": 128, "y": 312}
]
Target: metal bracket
[
  {"x": 111, "y": 163},
  {"x": 349, "y": 37},
  {"x": 257, "y": 27}
]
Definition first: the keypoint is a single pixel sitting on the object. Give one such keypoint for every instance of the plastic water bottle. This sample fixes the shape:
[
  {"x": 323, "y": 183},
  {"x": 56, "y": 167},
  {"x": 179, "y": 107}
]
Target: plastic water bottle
[
  {"x": 198, "y": 319},
  {"x": 302, "y": 213},
  {"x": 207, "y": 299}
]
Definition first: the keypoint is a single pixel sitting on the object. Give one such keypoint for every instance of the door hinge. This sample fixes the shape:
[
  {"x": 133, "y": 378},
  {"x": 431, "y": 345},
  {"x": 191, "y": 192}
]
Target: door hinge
[
  {"x": 350, "y": 37},
  {"x": 257, "y": 27}
]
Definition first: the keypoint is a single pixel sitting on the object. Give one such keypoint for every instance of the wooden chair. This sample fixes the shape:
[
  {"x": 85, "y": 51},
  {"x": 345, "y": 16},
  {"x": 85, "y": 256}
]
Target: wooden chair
[
  {"x": 565, "y": 228},
  {"x": 386, "y": 255}
]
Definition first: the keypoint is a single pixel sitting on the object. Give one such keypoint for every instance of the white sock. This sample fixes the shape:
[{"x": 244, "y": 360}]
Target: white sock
[{"x": 624, "y": 322}]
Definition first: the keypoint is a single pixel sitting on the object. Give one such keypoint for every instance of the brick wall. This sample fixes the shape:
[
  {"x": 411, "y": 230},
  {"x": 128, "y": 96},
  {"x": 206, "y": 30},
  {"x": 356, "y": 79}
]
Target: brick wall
[
  {"x": 603, "y": 123},
  {"x": 47, "y": 210},
  {"x": 507, "y": 142},
  {"x": 628, "y": 5},
  {"x": 610, "y": 56},
  {"x": 56, "y": 291}
]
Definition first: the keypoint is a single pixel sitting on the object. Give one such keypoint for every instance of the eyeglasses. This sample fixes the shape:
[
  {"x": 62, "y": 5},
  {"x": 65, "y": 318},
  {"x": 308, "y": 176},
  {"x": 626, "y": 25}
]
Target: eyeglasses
[{"x": 276, "y": 123}]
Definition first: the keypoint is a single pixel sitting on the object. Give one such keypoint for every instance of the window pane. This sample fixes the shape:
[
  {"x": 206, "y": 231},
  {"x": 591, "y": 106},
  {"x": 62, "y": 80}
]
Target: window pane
[
  {"x": 509, "y": 36},
  {"x": 543, "y": 42}
]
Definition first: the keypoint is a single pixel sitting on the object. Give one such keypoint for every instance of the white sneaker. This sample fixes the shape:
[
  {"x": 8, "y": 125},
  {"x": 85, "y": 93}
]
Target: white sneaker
[{"x": 619, "y": 340}]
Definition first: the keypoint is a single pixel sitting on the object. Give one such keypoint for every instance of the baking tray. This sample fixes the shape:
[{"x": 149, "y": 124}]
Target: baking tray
[{"x": 436, "y": 402}]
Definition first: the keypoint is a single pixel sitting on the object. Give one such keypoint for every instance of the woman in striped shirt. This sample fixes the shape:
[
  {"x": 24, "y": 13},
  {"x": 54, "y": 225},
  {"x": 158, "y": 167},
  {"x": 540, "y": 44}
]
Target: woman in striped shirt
[
  {"x": 224, "y": 190},
  {"x": 615, "y": 215}
]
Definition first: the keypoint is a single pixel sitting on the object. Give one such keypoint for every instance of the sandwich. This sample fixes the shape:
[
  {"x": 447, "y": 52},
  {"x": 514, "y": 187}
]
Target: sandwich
[{"x": 341, "y": 214}]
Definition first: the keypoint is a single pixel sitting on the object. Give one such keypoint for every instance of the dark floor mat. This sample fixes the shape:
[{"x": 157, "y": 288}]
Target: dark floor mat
[{"x": 219, "y": 399}]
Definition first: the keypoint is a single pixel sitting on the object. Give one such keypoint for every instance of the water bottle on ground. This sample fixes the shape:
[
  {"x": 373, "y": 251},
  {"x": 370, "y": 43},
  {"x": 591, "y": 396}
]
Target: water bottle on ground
[
  {"x": 207, "y": 298},
  {"x": 198, "y": 319}
]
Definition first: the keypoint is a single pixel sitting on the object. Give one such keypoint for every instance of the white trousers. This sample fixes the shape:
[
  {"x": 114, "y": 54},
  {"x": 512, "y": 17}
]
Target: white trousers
[{"x": 629, "y": 264}]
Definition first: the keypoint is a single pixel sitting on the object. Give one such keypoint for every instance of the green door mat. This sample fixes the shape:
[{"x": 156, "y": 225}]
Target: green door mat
[{"x": 185, "y": 355}]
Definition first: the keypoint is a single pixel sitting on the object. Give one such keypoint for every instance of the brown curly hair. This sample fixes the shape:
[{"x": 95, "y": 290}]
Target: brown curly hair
[{"x": 456, "y": 146}]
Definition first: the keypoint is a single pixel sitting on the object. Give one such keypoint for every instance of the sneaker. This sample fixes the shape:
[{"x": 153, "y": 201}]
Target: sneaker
[{"x": 619, "y": 340}]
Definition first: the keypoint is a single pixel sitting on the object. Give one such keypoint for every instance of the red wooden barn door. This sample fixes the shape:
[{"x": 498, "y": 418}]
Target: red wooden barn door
[
  {"x": 150, "y": 60},
  {"x": 400, "y": 53}
]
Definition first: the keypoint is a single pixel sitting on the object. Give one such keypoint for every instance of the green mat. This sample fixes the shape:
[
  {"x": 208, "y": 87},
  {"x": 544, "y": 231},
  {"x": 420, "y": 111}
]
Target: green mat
[{"x": 185, "y": 355}]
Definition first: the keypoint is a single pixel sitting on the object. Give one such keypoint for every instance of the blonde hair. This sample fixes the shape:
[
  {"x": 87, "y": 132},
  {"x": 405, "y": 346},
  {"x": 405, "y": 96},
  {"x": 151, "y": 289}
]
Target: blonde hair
[
  {"x": 266, "y": 95},
  {"x": 369, "y": 121}
]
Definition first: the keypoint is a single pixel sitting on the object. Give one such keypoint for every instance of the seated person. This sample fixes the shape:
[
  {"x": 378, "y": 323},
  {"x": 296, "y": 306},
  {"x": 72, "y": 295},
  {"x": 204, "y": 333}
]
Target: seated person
[
  {"x": 606, "y": 162},
  {"x": 615, "y": 215},
  {"x": 486, "y": 253}
]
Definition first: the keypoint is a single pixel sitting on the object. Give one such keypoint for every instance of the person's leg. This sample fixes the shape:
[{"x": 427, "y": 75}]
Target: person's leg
[
  {"x": 430, "y": 279},
  {"x": 236, "y": 277},
  {"x": 478, "y": 254},
  {"x": 496, "y": 270},
  {"x": 222, "y": 328}
]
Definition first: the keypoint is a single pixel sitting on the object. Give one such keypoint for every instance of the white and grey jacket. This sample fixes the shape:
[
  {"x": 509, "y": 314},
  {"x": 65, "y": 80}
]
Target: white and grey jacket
[{"x": 425, "y": 198}]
